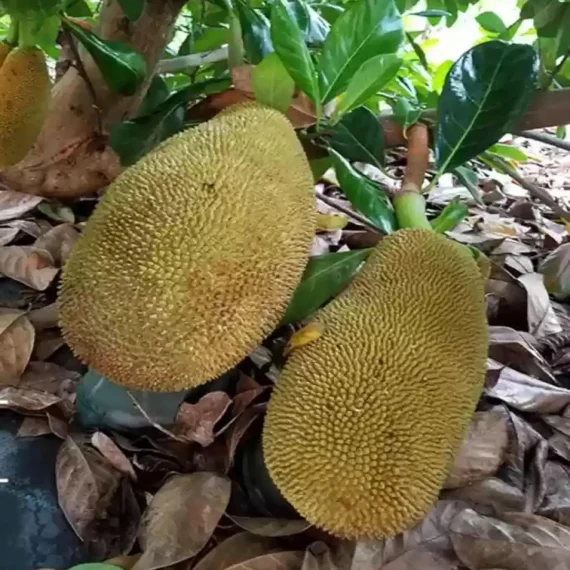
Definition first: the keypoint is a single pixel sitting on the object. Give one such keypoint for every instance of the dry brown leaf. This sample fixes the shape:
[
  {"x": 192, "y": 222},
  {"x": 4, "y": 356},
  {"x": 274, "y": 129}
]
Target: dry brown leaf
[
  {"x": 291, "y": 560},
  {"x": 45, "y": 317},
  {"x": 47, "y": 343},
  {"x": 7, "y": 235},
  {"x": 50, "y": 377},
  {"x": 17, "y": 336},
  {"x": 59, "y": 242},
  {"x": 86, "y": 484},
  {"x": 58, "y": 426},
  {"x": 431, "y": 532},
  {"x": 482, "y": 450},
  {"x": 16, "y": 204},
  {"x": 527, "y": 394},
  {"x": 123, "y": 562},
  {"x": 33, "y": 426},
  {"x": 318, "y": 556},
  {"x": 13, "y": 398},
  {"x": 196, "y": 422},
  {"x": 556, "y": 271},
  {"x": 271, "y": 527},
  {"x": 181, "y": 518},
  {"x": 235, "y": 549},
  {"x": 542, "y": 320},
  {"x": 111, "y": 451},
  {"x": 28, "y": 265},
  {"x": 423, "y": 559},
  {"x": 519, "y": 541},
  {"x": 556, "y": 502}
]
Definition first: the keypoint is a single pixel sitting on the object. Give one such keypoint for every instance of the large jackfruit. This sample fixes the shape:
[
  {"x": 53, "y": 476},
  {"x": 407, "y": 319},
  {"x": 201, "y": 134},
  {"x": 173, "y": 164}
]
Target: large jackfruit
[
  {"x": 25, "y": 93},
  {"x": 192, "y": 255},
  {"x": 364, "y": 421}
]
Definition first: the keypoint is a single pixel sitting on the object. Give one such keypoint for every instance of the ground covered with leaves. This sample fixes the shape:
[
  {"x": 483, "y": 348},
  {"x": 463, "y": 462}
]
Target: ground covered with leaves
[{"x": 186, "y": 496}]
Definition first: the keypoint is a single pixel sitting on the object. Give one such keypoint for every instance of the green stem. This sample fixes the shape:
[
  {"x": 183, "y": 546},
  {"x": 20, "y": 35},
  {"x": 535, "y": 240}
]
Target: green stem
[
  {"x": 235, "y": 44},
  {"x": 410, "y": 208},
  {"x": 27, "y": 32},
  {"x": 12, "y": 36}
]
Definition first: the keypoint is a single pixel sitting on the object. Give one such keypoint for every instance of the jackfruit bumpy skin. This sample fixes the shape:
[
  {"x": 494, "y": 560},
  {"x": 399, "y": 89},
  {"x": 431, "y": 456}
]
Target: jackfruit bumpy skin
[
  {"x": 190, "y": 258},
  {"x": 364, "y": 422},
  {"x": 25, "y": 93}
]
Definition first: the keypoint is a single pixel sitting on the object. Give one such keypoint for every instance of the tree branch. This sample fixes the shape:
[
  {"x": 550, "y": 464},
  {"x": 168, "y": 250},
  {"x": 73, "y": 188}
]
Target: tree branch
[
  {"x": 546, "y": 139},
  {"x": 184, "y": 62}
]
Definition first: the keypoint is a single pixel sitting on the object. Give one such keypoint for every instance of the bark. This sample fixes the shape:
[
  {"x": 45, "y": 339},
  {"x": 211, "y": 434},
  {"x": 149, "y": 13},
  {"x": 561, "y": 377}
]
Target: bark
[{"x": 71, "y": 157}]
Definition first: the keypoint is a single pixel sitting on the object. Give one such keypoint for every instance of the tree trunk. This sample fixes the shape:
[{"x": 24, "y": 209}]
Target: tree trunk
[{"x": 71, "y": 156}]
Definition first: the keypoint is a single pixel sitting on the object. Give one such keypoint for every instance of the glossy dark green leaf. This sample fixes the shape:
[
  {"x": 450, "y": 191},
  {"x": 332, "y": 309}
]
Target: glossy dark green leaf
[
  {"x": 368, "y": 28},
  {"x": 419, "y": 51},
  {"x": 156, "y": 93},
  {"x": 132, "y": 9},
  {"x": 272, "y": 84},
  {"x": 451, "y": 215},
  {"x": 324, "y": 278},
  {"x": 134, "y": 138},
  {"x": 78, "y": 9},
  {"x": 486, "y": 90},
  {"x": 452, "y": 8},
  {"x": 256, "y": 31},
  {"x": 314, "y": 27},
  {"x": 358, "y": 137},
  {"x": 372, "y": 76},
  {"x": 290, "y": 46},
  {"x": 491, "y": 22},
  {"x": 365, "y": 196},
  {"x": 468, "y": 177},
  {"x": 123, "y": 69}
]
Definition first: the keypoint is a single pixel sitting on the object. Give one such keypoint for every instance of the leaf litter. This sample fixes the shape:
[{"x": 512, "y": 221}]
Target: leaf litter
[{"x": 172, "y": 496}]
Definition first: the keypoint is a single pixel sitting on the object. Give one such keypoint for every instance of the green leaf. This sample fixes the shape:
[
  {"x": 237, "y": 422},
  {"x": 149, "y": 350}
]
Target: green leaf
[
  {"x": 368, "y": 80},
  {"x": 212, "y": 38},
  {"x": 406, "y": 112},
  {"x": 95, "y": 566},
  {"x": 324, "y": 278},
  {"x": 32, "y": 10},
  {"x": 290, "y": 46},
  {"x": 314, "y": 27},
  {"x": 470, "y": 180},
  {"x": 487, "y": 89},
  {"x": 256, "y": 31},
  {"x": 134, "y": 138},
  {"x": 365, "y": 196},
  {"x": 123, "y": 69},
  {"x": 358, "y": 136},
  {"x": 271, "y": 83},
  {"x": 132, "y": 9},
  {"x": 491, "y": 22},
  {"x": 367, "y": 28},
  {"x": 156, "y": 93},
  {"x": 319, "y": 166},
  {"x": 78, "y": 9},
  {"x": 451, "y": 215},
  {"x": 509, "y": 152}
]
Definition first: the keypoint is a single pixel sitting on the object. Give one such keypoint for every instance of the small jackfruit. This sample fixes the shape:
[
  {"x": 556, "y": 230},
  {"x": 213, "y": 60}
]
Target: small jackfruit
[
  {"x": 190, "y": 258},
  {"x": 364, "y": 421},
  {"x": 4, "y": 51},
  {"x": 25, "y": 93}
]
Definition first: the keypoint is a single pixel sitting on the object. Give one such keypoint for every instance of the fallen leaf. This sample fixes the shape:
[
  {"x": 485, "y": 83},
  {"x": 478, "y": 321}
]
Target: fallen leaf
[
  {"x": 58, "y": 426},
  {"x": 33, "y": 426},
  {"x": 28, "y": 265},
  {"x": 196, "y": 422},
  {"x": 309, "y": 333},
  {"x": 86, "y": 484},
  {"x": 423, "y": 559},
  {"x": 556, "y": 502},
  {"x": 291, "y": 560},
  {"x": 329, "y": 222},
  {"x": 519, "y": 541},
  {"x": 17, "y": 336},
  {"x": 45, "y": 317},
  {"x": 318, "y": 556},
  {"x": 57, "y": 212},
  {"x": 24, "y": 399},
  {"x": 527, "y": 394},
  {"x": 236, "y": 549},
  {"x": 59, "y": 242},
  {"x": 181, "y": 518},
  {"x": 47, "y": 343},
  {"x": 7, "y": 235},
  {"x": 270, "y": 527},
  {"x": 111, "y": 451},
  {"x": 555, "y": 268},
  {"x": 542, "y": 320},
  {"x": 16, "y": 204},
  {"x": 49, "y": 377}
]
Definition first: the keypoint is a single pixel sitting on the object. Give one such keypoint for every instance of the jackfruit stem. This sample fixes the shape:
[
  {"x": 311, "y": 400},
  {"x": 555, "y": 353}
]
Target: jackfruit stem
[
  {"x": 12, "y": 35},
  {"x": 410, "y": 208},
  {"x": 235, "y": 44},
  {"x": 27, "y": 34}
]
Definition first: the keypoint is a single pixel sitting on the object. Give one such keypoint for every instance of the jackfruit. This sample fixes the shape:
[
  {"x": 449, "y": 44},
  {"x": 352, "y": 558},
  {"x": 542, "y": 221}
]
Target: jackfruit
[
  {"x": 190, "y": 258},
  {"x": 364, "y": 421},
  {"x": 4, "y": 51},
  {"x": 25, "y": 93}
]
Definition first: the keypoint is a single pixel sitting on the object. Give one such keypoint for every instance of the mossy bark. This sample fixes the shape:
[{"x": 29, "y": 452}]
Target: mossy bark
[{"x": 71, "y": 157}]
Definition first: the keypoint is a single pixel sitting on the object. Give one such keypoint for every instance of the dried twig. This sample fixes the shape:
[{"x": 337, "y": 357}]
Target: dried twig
[
  {"x": 78, "y": 64},
  {"x": 546, "y": 138},
  {"x": 342, "y": 208}
]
